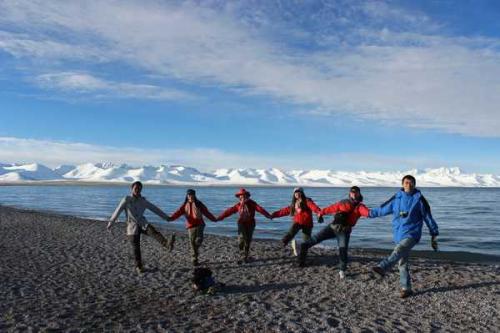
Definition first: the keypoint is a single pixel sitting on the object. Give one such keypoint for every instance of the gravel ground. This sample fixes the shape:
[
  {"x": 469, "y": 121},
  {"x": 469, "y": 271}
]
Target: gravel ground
[{"x": 61, "y": 273}]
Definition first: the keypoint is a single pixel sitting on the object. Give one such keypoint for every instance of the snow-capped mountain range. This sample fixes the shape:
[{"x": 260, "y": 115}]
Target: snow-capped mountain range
[{"x": 181, "y": 175}]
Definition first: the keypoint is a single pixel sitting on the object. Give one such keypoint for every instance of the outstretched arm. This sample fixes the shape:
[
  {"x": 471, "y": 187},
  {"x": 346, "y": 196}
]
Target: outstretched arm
[
  {"x": 282, "y": 212},
  {"x": 261, "y": 210},
  {"x": 312, "y": 206},
  {"x": 228, "y": 212},
  {"x": 383, "y": 210},
  {"x": 157, "y": 211},
  {"x": 178, "y": 213},
  {"x": 207, "y": 213},
  {"x": 119, "y": 209},
  {"x": 363, "y": 210}
]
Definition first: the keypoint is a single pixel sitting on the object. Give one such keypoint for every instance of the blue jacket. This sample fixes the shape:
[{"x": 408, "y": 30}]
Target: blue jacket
[{"x": 408, "y": 213}]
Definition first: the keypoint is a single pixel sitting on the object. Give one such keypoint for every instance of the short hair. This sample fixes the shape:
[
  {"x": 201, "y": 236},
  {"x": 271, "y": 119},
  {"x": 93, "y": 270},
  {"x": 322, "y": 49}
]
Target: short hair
[
  {"x": 138, "y": 183},
  {"x": 410, "y": 178}
]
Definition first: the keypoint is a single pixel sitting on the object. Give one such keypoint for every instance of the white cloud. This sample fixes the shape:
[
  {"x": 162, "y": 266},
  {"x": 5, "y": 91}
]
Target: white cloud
[
  {"x": 54, "y": 153},
  {"x": 422, "y": 80},
  {"x": 84, "y": 83}
]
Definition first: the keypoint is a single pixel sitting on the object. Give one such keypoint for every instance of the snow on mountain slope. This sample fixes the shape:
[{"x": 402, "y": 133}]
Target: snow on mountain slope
[
  {"x": 63, "y": 169},
  {"x": 20, "y": 172},
  {"x": 181, "y": 175}
]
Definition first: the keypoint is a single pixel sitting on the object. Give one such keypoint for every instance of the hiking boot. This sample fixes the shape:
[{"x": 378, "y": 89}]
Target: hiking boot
[
  {"x": 284, "y": 243},
  {"x": 379, "y": 270},
  {"x": 342, "y": 275},
  {"x": 404, "y": 293},
  {"x": 139, "y": 269}
]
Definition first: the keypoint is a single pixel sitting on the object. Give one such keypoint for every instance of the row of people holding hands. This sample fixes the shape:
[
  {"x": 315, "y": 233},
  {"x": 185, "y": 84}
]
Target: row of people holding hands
[{"x": 408, "y": 207}]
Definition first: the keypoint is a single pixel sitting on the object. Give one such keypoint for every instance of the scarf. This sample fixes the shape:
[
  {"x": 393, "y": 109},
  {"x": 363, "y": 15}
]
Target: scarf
[
  {"x": 244, "y": 211},
  {"x": 192, "y": 210},
  {"x": 298, "y": 206}
]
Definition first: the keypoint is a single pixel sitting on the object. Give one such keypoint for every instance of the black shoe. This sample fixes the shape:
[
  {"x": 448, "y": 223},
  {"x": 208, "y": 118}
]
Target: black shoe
[{"x": 379, "y": 270}]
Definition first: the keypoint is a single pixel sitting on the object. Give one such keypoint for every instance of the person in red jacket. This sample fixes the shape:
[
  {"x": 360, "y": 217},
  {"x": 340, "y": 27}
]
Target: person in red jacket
[
  {"x": 347, "y": 212},
  {"x": 301, "y": 209},
  {"x": 246, "y": 208},
  {"x": 193, "y": 209}
]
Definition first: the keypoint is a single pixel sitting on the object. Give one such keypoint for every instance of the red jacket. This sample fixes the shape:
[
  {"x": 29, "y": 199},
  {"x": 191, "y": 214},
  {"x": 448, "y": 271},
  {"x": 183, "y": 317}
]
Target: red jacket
[
  {"x": 302, "y": 217},
  {"x": 243, "y": 218},
  {"x": 353, "y": 209},
  {"x": 191, "y": 221}
]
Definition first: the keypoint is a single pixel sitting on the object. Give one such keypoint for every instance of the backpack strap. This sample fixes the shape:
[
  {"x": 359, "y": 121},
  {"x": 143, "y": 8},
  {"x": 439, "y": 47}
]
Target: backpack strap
[
  {"x": 427, "y": 207},
  {"x": 388, "y": 201}
]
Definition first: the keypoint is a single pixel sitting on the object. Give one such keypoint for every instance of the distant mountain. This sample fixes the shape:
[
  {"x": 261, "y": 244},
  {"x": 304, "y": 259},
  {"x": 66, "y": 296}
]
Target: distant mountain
[
  {"x": 181, "y": 175},
  {"x": 24, "y": 172}
]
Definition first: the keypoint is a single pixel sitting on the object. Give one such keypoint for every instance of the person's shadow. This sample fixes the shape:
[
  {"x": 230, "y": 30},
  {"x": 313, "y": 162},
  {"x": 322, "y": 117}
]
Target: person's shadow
[
  {"x": 451, "y": 288},
  {"x": 242, "y": 289}
]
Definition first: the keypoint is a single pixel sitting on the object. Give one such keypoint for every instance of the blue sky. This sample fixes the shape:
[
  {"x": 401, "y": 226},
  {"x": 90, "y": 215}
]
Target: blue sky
[{"x": 344, "y": 85}]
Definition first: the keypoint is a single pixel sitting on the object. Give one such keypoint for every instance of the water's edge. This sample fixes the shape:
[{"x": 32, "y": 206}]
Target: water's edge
[{"x": 448, "y": 256}]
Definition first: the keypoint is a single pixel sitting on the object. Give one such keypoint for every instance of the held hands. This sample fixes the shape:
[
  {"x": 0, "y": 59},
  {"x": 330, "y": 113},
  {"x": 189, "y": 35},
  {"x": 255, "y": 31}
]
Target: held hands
[{"x": 434, "y": 243}]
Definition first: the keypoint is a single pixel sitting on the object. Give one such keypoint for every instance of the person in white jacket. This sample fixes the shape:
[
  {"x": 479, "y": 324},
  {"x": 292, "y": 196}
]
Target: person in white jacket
[{"x": 134, "y": 206}]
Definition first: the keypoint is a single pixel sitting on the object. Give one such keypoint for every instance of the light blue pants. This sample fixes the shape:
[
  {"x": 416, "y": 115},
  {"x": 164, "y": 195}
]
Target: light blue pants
[{"x": 400, "y": 255}]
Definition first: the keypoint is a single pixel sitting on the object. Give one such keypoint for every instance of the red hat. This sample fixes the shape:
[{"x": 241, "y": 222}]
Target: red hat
[{"x": 242, "y": 191}]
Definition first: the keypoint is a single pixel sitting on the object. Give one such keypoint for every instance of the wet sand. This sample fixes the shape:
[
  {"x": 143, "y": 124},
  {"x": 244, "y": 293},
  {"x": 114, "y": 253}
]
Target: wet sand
[{"x": 61, "y": 273}]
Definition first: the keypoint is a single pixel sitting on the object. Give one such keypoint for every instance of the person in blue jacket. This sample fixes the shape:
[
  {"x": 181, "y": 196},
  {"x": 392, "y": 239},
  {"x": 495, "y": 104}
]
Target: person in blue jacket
[{"x": 409, "y": 210}]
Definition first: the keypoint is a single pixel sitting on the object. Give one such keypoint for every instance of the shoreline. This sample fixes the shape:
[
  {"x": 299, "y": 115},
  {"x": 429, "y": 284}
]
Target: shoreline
[
  {"x": 450, "y": 256},
  {"x": 61, "y": 273}
]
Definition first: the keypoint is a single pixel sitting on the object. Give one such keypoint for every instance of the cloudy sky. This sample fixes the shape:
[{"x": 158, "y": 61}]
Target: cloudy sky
[{"x": 345, "y": 85}]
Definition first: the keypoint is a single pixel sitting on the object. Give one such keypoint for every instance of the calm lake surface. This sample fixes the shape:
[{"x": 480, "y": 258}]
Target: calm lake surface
[{"x": 468, "y": 218}]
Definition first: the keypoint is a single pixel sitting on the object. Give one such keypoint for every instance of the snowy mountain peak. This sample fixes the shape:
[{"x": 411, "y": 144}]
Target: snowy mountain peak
[{"x": 183, "y": 175}]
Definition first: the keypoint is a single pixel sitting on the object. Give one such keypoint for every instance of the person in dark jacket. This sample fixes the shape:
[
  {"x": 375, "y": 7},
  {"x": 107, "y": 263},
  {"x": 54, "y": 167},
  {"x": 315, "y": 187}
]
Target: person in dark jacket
[
  {"x": 193, "y": 210},
  {"x": 347, "y": 212},
  {"x": 134, "y": 206},
  {"x": 301, "y": 209},
  {"x": 409, "y": 211},
  {"x": 246, "y": 209}
]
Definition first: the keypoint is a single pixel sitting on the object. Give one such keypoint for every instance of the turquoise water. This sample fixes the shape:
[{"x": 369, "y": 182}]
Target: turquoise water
[{"x": 468, "y": 218}]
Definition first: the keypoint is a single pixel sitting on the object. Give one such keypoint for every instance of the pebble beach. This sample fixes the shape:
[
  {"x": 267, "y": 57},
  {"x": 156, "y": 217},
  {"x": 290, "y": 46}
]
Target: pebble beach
[{"x": 60, "y": 273}]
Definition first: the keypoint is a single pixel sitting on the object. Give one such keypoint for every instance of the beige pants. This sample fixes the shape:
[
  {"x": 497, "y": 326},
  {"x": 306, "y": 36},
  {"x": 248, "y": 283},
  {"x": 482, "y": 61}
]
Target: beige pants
[{"x": 195, "y": 239}]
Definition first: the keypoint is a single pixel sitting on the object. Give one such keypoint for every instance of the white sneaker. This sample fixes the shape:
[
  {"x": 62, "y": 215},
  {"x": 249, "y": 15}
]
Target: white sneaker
[
  {"x": 341, "y": 275},
  {"x": 294, "y": 247}
]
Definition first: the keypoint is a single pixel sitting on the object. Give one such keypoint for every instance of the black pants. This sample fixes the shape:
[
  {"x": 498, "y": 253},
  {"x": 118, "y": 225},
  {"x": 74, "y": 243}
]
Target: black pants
[
  {"x": 294, "y": 229},
  {"x": 135, "y": 240},
  {"x": 328, "y": 233}
]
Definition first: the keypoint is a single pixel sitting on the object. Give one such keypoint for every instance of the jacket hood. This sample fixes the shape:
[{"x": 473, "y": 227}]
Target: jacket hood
[{"x": 402, "y": 193}]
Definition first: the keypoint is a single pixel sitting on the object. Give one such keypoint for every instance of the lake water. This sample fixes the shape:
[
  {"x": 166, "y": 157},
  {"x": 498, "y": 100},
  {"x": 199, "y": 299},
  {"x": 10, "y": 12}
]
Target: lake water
[{"x": 468, "y": 218}]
